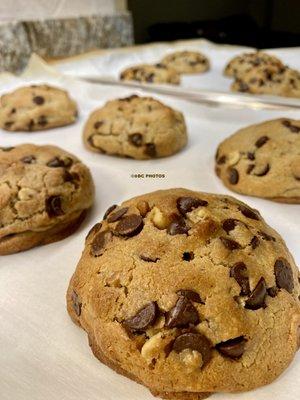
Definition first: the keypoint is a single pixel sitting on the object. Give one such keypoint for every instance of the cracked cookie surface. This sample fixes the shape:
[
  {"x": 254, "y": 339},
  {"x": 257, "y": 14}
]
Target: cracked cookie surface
[
  {"x": 44, "y": 195},
  {"x": 36, "y": 107},
  {"x": 263, "y": 160},
  {"x": 241, "y": 64},
  {"x": 156, "y": 73},
  {"x": 135, "y": 127},
  {"x": 188, "y": 293},
  {"x": 187, "y": 62}
]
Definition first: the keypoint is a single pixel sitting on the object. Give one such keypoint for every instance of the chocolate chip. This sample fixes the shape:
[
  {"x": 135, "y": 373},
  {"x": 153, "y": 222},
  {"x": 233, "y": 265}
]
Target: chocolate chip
[
  {"x": 182, "y": 314},
  {"x": 187, "y": 204},
  {"x": 91, "y": 140},
  {"x": 67, "y": 177},
  {"x": 290, "y": 126},
  {"x": 160, "y": 65},
  {"x": 272, "y": 291},
  {"x": 150, "y": 150},
  {"x": 221, "y": 160},
  {"x": 113, "y": 217},
  {"x": 8, "y": 124},
  {"x": 96, "y": 228},
  {"x": 29, "y": 159},
  {"x": 55, "y": 163},
  {"x": 130, "y": 225},
  {"x": 248, "y": 212},
  {"x": 53, "y": 206},
  {"x": 257, "y": 297},
  {"x": 232, "y": 348},
  {"x": 254, "y": 242},
  {"x": 129, "y": 98},
  {"x": 266, "y": 236},
  {"x": 239, "y": 272},
  {"x": 263, "y": 170},
  {"x": 188, "y": 256},
  {"x": 149, "y": 258},
  {"x": 178, "y": 227},
  {"x": 30, "y": 125},
  {"x": 261, "y": 141},
  {"x": 42, "y": 120},
  {"x": 243, "y": 87},
  {"x": 229, "y": 243},
  {"x": 76, "y": 303},
  {"x": 233, "y": 176},
  {"x": 39, "y": 100},
  {"x": 250, "y": 156},
  {"x": 109, "y": 210},
  {"x": 100, "y": 242},
  {"x": 97, "y": 124},
  {"x": 190, "y": 295},
  {"x": 284, "y": 275},
  {"x": 194, "y": 341},
  {"x": 149, "y": 77},
  {"x": 136, "y": 139},
  {"x": 229, "y": 224},
  {"x": 13, "y": 110},
  {"x": 144, "y": 318},
  {"x": 250, "y": 168}
]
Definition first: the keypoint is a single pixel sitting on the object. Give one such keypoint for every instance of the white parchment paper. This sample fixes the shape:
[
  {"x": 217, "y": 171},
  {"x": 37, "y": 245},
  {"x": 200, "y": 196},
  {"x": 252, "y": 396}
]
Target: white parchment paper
[{"x": 43, "y": 355}]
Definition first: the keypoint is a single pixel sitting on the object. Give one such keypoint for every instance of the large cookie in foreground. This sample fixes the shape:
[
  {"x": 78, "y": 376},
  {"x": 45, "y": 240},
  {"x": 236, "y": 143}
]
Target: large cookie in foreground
[
  {"x": 135, "y": 127},
  {"x": 188, "y": 293},
  {"x": 263, "y": 160},
  {"x": 35, "y": 108},
  {"x": 45, "y": 193},
  {"x": 148, "y": 73}
]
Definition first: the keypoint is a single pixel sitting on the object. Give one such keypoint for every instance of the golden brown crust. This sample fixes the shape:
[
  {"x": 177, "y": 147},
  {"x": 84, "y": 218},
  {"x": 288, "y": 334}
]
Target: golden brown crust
[
  {"x": 148, "y": 259},
  {"x": 27, "y": 240}
]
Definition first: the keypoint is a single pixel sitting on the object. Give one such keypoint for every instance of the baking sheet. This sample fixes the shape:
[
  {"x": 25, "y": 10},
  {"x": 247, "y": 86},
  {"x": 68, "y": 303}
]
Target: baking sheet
[
  {"x": 43, "y": 355},
  {"x": 109, "y": 63}
]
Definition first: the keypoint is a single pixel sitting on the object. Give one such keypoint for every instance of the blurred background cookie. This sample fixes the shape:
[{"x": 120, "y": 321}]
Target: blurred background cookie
[
  {"x": 187, "y": 62},
  {"x": 36, "y": 107},
  {"x": 246, "y": 62},
  {"x": 45, "y": 193},
  {"x": 157, "y": 73},
  {"x": 269, "y": 80}
]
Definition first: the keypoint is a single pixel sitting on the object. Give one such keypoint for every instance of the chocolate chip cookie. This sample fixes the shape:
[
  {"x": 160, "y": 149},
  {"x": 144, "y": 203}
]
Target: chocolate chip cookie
[
  {"x": 45, "y": 193},
  {"x": 263, "y": 160},
  {"x": 157, "y": 73},
  {"x": 135, "y": 127},
  {"x": 246, "y": 62},
  {"x": 187, "y": 62},
  {"x": 269, "y": 80},
  {"x": 188, "y": 293},
  {"x": 36, "y": 107}
]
